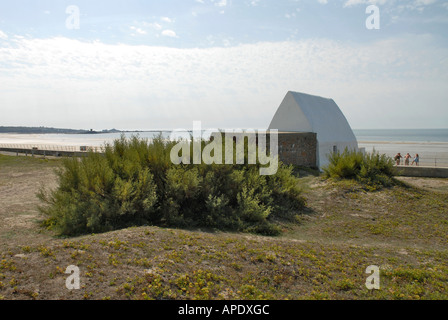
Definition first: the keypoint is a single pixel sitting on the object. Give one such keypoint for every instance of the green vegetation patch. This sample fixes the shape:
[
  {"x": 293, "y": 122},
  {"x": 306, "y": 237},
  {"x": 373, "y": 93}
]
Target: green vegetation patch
[
  {"x": 135, "y": 183},
  {"x": 374, "y": 170}
]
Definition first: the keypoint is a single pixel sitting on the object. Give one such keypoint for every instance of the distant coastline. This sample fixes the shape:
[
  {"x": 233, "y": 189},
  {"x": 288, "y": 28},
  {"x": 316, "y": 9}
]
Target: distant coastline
[{"x": 44, "y": 130}]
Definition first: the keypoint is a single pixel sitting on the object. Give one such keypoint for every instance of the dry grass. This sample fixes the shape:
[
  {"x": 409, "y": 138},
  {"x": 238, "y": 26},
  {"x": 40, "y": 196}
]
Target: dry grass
[{"x": 324, "y": 256}]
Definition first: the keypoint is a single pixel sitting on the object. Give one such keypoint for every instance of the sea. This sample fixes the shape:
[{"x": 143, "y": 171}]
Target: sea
[
  {"x": 402, "y": 135},
  {"x": 430, "y": 144}
]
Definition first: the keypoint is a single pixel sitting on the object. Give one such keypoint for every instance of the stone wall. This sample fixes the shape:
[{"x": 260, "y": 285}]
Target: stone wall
[
  {"x": 428, "y": 172},
  {"x": 298, "y": 148}
]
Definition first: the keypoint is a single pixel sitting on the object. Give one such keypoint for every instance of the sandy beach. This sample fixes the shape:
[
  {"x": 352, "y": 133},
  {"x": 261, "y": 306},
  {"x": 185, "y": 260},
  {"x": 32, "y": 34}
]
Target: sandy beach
[
  {"x": 57, "y": 139},
  {"x": 431, "y": 153}
]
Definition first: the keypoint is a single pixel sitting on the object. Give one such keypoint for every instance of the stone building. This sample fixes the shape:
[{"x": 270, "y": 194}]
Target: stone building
[{"x": 304, "y": 113}]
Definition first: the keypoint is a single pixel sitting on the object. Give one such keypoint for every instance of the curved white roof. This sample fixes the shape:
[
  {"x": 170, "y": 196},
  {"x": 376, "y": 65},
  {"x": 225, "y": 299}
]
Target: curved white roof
[{"x": 301, "y": 112}]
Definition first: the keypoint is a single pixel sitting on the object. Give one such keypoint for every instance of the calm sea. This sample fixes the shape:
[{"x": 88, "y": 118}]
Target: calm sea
[{"x": 402, "y": 135}]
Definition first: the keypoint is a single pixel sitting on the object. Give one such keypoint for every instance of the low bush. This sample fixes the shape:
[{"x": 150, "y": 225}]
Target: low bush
[
  {"x": 135, "y": 183},
  {"x": 372, "y": 169}
]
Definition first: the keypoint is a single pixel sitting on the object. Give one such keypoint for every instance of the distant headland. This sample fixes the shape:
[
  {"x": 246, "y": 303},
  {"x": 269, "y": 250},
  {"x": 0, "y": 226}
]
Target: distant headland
[{"x": 42, "y": 130}]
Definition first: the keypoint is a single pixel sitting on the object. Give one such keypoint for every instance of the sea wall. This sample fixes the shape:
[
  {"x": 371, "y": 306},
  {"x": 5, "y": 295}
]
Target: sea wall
[
  {"x": 420, "y": 171},
  {"x": 45, "y": 153}
]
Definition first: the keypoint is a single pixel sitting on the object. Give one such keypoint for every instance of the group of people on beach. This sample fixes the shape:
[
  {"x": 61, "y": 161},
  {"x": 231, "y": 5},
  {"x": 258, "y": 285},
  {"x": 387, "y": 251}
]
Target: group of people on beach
[{"x": 398, "y": 157}]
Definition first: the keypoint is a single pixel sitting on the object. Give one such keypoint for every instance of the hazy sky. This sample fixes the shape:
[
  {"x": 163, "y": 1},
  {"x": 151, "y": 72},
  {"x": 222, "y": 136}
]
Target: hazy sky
[{"x": 163, "y": 64}]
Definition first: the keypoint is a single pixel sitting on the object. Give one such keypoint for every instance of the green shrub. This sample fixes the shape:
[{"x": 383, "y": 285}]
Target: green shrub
[
  {"x": 372, "y": 169},
  {"x": 135, "y": 183},
  {"x": 101, "y": 192}
]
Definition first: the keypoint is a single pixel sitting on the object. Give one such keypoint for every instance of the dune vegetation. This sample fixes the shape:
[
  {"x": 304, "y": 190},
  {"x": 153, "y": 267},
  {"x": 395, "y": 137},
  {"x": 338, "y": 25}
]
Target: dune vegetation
[
  {"x": 135, "y": 183},
  {"x": 321, "y": 252}
]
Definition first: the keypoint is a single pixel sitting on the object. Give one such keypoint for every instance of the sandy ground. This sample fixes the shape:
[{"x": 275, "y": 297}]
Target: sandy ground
[
  {"x": 434, "y": 184},
  {"x": 19, "y": 212},
  {"x": 344, "y": 231}
]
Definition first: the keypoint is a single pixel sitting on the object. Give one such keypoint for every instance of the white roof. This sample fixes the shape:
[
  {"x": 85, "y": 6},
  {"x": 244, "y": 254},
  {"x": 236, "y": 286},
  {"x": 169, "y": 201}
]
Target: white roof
[
  {"x": 301, "y": 112},
  {"x": 307, "y": 113}
]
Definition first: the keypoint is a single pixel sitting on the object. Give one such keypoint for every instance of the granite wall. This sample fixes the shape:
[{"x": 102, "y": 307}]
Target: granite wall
[{"x": 298, "y": 148}]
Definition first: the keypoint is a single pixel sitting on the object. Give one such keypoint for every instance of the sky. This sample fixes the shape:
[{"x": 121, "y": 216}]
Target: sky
[{"x": 142, "y": 65}]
